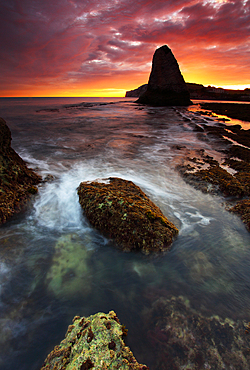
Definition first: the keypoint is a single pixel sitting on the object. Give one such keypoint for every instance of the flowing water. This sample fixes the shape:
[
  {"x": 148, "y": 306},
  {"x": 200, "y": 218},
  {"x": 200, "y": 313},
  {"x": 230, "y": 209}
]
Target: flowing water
[{"x": 54, "y": 266}]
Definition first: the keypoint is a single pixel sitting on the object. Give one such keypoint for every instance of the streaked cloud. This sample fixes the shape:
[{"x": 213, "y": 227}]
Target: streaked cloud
[{"x": 75, "y": 44}]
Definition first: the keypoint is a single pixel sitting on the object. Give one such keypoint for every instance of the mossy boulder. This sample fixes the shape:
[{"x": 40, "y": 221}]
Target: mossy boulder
[
  {"x": 94, "y": 342},
  {"x": 121, "y": 211},
  {"x": 17, "y": 181}
]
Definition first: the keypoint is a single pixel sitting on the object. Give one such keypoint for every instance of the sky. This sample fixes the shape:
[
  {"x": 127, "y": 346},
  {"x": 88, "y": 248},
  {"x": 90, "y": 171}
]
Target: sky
[{"x": 105, "y": 47}]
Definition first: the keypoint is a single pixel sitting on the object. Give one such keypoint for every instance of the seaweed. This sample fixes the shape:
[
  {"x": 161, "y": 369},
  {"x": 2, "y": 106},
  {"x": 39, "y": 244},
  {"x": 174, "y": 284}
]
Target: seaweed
[{"x": 120, "y": 210}]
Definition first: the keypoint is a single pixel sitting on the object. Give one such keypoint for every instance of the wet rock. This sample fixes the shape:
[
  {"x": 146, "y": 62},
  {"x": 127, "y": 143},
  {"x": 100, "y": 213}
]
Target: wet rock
[
  {"x": 242, "y": 208},
  {"x": 233, "y": 110},
  {"x": 69, "y": 272},
  {"x": 121, "y": 211},
  {"x": 184, "y": 338},
  {"x": 17, "y": 181},
  {"x": 166, "y": 85},
  {"x": 93, "y": 342}
]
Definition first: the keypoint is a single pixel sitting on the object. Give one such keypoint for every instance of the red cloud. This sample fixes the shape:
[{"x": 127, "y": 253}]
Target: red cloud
[{"x": 74, "y": 41}]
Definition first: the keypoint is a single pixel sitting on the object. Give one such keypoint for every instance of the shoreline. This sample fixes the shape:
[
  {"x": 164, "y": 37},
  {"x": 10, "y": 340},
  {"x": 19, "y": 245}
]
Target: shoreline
[
  {"x": 231, "y": 178},
  {"x": 230, "y": 109}
]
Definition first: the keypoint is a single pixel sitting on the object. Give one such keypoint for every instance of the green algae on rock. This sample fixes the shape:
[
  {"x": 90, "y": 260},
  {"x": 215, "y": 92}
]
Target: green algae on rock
[
  {"x": 184, "y": 338},
  {"x": 69, "y": 271},
  {"x": 94, "y": 342},
  {"x": 120, "y": 210},
  {"x": 16, "y": 179}
]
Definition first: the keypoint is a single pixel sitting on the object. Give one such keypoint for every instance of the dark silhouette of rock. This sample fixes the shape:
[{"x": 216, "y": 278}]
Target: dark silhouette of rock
[
  {"x": 16, "y": 180},
  {"x": 166, "y": 85},
  {"x": 93, "y": 342},
  {"x": 121, "y": 211},
  {"x": 136, "y": 92}
]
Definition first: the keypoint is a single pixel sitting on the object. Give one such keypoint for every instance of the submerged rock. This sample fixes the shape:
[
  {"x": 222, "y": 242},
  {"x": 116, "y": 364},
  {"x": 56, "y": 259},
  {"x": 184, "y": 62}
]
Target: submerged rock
[
  {"x": 70, "y": 271},
  {"x": 166, "y": 85},
  {"x": 120, "y": 210},
  {"x": 183, "y": 338},
  {"x": 17, "y": 182},
  {"x": 94, "y": 342}
]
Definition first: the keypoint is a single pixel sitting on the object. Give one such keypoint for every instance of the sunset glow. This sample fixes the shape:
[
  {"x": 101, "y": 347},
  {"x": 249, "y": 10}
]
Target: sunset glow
[{"x": 99, "y": 48}]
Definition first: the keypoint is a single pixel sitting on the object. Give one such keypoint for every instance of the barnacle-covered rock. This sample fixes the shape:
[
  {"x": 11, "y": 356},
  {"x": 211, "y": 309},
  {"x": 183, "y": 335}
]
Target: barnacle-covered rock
[
  {"x": 94, "y": 342},
  {"x": 16, "y": 179},
  {"x": 121, "y": 211}
]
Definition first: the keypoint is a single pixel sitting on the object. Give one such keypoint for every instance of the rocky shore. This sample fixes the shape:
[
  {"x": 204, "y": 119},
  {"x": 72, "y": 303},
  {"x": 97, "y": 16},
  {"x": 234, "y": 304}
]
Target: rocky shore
[
  {"x": 233, "y": 110},
  {"x": 17, "y": 181},
  {"x": 232, "y": 177}
]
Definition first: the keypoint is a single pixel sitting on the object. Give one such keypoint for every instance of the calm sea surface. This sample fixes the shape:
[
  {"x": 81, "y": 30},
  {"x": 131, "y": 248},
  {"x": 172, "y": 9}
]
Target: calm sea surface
[{"x": 54, "y": 266}]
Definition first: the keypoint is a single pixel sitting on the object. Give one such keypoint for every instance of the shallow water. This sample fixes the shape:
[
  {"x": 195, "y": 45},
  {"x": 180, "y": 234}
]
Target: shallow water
[{"x": 54, "y": 266}]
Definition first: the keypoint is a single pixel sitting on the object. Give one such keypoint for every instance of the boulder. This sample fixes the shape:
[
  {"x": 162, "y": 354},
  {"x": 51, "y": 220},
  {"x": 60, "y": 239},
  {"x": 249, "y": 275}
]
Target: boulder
[
  {"x": 166, "y": 85},
  {"x": 121, "y": 211},
  {"x": 93, "y": 342},
  {"x": 17, "y": 181}
]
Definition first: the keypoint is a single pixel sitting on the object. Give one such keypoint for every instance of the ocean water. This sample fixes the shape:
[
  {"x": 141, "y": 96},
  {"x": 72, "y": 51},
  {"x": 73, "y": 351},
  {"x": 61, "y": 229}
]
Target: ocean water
[{"x": 54, "y": 265}]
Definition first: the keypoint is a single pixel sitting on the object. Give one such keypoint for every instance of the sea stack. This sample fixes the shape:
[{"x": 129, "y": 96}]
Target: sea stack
[{"x": 166, "y": 85}]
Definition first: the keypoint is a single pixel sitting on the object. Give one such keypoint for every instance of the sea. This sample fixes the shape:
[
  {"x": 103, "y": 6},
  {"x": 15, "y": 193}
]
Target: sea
[{"x": 54, "y": 265}]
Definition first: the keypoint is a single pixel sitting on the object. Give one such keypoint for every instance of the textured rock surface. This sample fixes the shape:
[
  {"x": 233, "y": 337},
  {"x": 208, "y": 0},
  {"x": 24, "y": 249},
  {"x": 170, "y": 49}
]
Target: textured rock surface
[
  {"x": 166, "y": 85},
  {"x": 16, "y": 180},
  {"x": 120, "y": 210},
  {"x": 242, "y": 208},
  {"x": 230, "y": 178},
  {"x": 183, "y": 338},
  {"x": 94, "y": 342}
]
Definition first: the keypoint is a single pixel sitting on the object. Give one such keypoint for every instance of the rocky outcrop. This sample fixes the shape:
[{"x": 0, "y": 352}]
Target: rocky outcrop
[
  {"x": 136, "y": 92},
  {"x": 120, "y": 210},
  {"x": 166, "y": 85},
  {"x": 17, "y": 182},
  {"x": 93, "y": 342}
]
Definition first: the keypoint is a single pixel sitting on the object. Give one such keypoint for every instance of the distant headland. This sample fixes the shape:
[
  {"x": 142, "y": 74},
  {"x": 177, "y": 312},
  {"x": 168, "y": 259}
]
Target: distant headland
[
  {"x": 200, "y": 92},
  {"x": 166, "y": 85}
]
